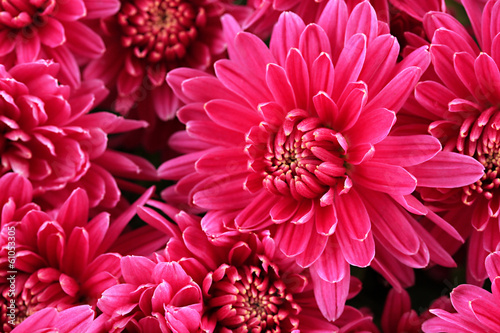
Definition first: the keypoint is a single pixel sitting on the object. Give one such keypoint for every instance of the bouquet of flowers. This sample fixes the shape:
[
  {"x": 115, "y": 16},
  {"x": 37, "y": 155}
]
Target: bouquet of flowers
[{"x": 250, "y": 166}]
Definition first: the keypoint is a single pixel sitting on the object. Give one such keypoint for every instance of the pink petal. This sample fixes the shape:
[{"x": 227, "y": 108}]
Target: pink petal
[
  {"x": 391, "y": 224},
  {"x": 488, "y": 77},
  {"x": 333, "y": 19},
  {"x": 225, "y": 193},
  {"x": 70, "y": 72},
  {"x": 326, "y": 109},
  {"x": 6, "y": 43},
  {"x": 101, "y": 8},
  {"x": 71, "y": 11},
  {"x": 313, "y": 42},
  {"x": 406, "y": 150},
  {"x": 298, "y": 76},
  {"x": 223, "y": 161},
  {"x": 372, "y": 127},
  {"x": 461, "y": 297},
  {"x": 434, "y": 97},
  {"x": 331, "y": 265},
  {"x": 84, "y": 41},
  {"x": 79, "y": 240},
  {"x": 350, "y": 104},
  {"x": 363, "y": 19},
  {"x": 232, "y": 115},
  {"x": 256, "y": 214},
  {"x": 384, "y": 178},
  {"x": 137, "y": 270},
  {"x": 356, "y": 252},
  {"x": 396, "y": 92},
  {"x": 313, "y": 251},
  {"x": 253, "y": 90},
  {"x": 280, "y": 87},
  {"x": 330, "y": 297},
  {"x": 447, "y": 170},
  {"x": 27, "y": 51},
  {"x": 381, "y": 56},
  {"x": 353, "y": 216},
  {"x": 442, "y": 59},
  {"x": 284, "y": 209},
  {"x": 53, "y": 33},
  {"x": 493, "y": 265},
  {"x": 322, "y": 74},
  {"x": 350, "y": 63},
  {"x": 211, "y": 132},
  {"x": 326, "y": 220},
  {"x": 293, "y": 238},
  {"x": 486, "y": 311},
  {"x": 286, "y": 35}
]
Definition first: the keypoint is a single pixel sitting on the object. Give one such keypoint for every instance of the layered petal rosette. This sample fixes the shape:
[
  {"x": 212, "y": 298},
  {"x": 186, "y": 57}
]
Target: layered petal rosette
[
  {"x": 66, "y": 260},
  {"x": 146, "y": 39},
  {"x": 477, "y": 310},
  {"x": 461, "y": 108},
  {"x": 52, "y": 29},
  {"x": 155, "y": 297},
  {"x": 296, "y": 137},
  {"x": 247, "y": 283},
  {"x": 49, "y": 137}
]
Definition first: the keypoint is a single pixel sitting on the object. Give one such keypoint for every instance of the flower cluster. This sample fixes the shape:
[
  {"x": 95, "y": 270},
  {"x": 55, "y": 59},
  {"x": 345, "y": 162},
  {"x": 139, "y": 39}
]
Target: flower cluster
[{"x": 249, "y": 166}]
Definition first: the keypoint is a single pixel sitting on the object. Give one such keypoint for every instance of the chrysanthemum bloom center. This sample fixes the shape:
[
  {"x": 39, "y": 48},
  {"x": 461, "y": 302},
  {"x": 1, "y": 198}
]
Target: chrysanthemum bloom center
[
  {"x": 480, "y": 138},
  {"x": 249, "y": 299},
  {"x": 159, "y": 30},
  {"x": 26, "y": 15},
  {"x": 302, "y": 159},
  {"x": 12, "y": 315}
]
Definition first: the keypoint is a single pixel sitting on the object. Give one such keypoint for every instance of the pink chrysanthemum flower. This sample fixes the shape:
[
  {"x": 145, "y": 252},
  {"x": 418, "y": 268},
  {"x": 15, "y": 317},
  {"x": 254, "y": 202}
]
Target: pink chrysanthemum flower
[
  {"x": 154, "y": 297},
  {"x": 477, "y": 310},
  {"x": 64, "y": 261},
  {"x": 461, "y": 108},
  {"x": 248, "y": 285},
  {"x": 49, "y": 136},
  {"x": 147, "y": 39},
  {"x": 56, "y": 29},
  {"x": 297, "y": 137},
  {"x": 77, "y": 319}
]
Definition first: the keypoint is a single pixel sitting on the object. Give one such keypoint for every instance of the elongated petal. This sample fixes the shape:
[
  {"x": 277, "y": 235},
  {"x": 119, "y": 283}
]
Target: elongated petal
[{"x": 447, "y": 170}]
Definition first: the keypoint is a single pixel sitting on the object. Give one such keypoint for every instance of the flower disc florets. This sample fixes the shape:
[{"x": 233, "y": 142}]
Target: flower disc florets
[
  {"x": 160, "y": 30},
  {"x": 303, "y": 159},
  {"x": 252, "y": 298},
  {"x": 479, "y": 138}
]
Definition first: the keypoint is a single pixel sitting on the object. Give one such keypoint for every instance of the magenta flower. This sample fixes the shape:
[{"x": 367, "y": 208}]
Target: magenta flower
[
  {"x": 49, "y": 136},
  {"x": 147, "y": 39},
  {"x": 296, "y": 137},
  {"x": 247, "y": 284},
  {"x": 73, "y": 320},
  {"x": 460, "y": 108},
  {"x": 155, "y": 297},
  {"x": 66, "y": 261},
  {"x": 56, "y": 29},
  {"x": 477, "y": 310}
]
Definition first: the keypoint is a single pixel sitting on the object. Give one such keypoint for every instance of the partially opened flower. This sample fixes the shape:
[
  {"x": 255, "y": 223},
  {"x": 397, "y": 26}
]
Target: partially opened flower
[
  {"x": 32, "y": 30},
  {"x": 154, "y": 297},
  {"x": 49, "y": 137},
  {"x": 297, "y": 137},
  {"x": 146, "y": 39},
  {"x": 64, "y": 261},
  {"x": 461, "y": 108},
  {"x": 477, "y": 310}
]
